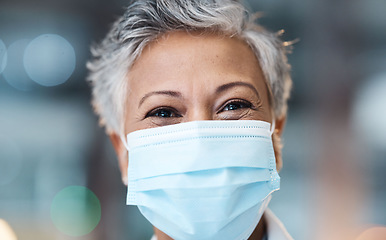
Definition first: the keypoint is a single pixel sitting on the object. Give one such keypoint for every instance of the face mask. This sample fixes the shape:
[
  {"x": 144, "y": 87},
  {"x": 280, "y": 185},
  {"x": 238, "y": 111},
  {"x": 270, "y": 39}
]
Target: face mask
[{"x": 203, "y": 180}]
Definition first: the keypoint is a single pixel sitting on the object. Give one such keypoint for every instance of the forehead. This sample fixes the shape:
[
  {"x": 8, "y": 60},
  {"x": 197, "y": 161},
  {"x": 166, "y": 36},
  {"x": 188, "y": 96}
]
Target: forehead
[{"x": 180, "y": 58}]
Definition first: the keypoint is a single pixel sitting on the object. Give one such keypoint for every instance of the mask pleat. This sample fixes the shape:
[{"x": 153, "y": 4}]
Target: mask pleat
[
  {"x": 200, "y": 154},
  {"x": 223, "y": 177}
]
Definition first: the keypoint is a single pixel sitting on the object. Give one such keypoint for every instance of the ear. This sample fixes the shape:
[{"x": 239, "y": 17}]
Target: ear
[
  {"x": 277, "y": 144},
  {"x": 121, "y": 152},
  {"x": 279, "y": 125}
]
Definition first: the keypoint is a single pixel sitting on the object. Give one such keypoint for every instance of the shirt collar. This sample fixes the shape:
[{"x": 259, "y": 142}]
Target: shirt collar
[{"x": 276, "y": 229}]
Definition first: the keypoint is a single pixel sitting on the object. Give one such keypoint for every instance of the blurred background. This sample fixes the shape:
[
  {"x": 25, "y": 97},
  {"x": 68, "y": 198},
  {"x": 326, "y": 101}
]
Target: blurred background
[{"x": 59, "y": 176}]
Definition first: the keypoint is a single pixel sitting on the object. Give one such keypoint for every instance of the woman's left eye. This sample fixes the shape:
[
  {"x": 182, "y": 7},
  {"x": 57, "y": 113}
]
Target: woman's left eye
[{"x": 235, "y": 105}]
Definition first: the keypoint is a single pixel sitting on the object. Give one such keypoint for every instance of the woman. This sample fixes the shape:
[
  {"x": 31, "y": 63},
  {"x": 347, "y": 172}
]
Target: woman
[{"x": 164, "y": 79}]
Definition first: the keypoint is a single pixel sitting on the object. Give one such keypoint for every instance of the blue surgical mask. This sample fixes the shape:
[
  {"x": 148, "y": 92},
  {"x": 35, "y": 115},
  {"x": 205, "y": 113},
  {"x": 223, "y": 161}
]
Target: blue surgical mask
[{"x": 203, "y": 180}]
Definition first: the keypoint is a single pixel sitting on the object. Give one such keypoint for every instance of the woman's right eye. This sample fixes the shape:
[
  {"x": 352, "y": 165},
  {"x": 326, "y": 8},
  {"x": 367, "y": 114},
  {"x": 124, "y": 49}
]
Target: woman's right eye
[{"x": 163, "y": 113}]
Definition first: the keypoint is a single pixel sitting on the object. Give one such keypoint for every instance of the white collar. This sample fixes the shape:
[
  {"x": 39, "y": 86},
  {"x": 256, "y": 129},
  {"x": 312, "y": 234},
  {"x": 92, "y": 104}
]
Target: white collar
[{"x": 276, "y": 229}]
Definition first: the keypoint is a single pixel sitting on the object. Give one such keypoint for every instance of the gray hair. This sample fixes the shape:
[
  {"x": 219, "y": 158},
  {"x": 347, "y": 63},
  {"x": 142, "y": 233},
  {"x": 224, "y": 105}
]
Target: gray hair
[{"x": 146, "y": 20}]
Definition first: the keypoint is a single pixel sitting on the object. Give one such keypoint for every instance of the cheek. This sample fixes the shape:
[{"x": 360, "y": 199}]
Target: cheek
[{"x": 262, "y": 115}]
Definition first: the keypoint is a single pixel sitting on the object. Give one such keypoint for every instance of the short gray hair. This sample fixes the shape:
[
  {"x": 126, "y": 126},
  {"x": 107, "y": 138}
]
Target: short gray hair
[{"x": 146, "y": 20}]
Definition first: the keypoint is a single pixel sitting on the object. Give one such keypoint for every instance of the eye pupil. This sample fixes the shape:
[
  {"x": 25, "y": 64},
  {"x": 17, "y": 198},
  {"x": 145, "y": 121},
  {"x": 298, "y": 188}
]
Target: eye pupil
[
  {"x": 163, "y": 113},
  {"x": 233, "y": 106}
]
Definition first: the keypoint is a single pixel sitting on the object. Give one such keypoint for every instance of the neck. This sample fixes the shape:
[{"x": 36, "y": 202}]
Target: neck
[{"x": 257, "y": 234}]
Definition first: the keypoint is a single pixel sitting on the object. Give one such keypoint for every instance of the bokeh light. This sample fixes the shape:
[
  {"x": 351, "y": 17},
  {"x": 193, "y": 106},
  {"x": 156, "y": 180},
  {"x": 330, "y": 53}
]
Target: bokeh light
[
  {"x": 75, "y": 211},
  {"x": 49, "y": 60},
  {"x": 374, "y": 233},
  {"x": 6, "y": 232},
  {"x": 3, "y": 56},
  {"x": 14, "y": 72},
  {"x": 369, "y": 115},
  {"x": 10, "y": 160}
]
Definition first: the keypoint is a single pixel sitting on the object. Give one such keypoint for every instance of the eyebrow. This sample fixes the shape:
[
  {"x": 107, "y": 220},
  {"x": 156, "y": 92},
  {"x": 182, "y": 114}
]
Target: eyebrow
[
  {"x": 168, "y": 93},
  {"x": 228, "y": 86},
  {"x": 219, "y": 90}
]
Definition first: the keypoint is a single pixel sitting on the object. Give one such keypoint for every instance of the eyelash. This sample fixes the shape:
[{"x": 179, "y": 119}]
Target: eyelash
[
  {"x": 173, "y": 111},
  {"x": 246, "y": 104},
  {"x": 155, "y": 111}
]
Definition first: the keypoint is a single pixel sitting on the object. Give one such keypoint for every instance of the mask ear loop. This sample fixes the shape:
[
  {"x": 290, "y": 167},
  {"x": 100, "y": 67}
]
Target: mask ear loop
[
  {"x": 272, "y": 127},
  {"x": 124, "y": 142}
]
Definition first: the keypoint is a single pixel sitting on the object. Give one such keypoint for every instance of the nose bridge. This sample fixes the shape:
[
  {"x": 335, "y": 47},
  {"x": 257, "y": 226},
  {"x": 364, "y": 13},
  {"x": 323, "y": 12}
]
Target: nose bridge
[
  {"x": 200, "y": 107},
  {"x": 200, "y": 112}
]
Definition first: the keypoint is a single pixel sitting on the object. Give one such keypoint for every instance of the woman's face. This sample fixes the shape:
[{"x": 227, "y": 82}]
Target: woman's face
[{"x": 188, "y": 77}]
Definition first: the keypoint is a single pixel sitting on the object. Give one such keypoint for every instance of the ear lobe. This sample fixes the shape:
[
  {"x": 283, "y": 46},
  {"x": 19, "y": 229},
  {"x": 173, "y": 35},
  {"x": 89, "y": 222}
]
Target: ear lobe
[{"x": 121, "y": 152}]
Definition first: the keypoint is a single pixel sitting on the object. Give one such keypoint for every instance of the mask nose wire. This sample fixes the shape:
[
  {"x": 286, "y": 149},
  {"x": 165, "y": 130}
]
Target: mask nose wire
[{"x": 123, "y": 139}]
